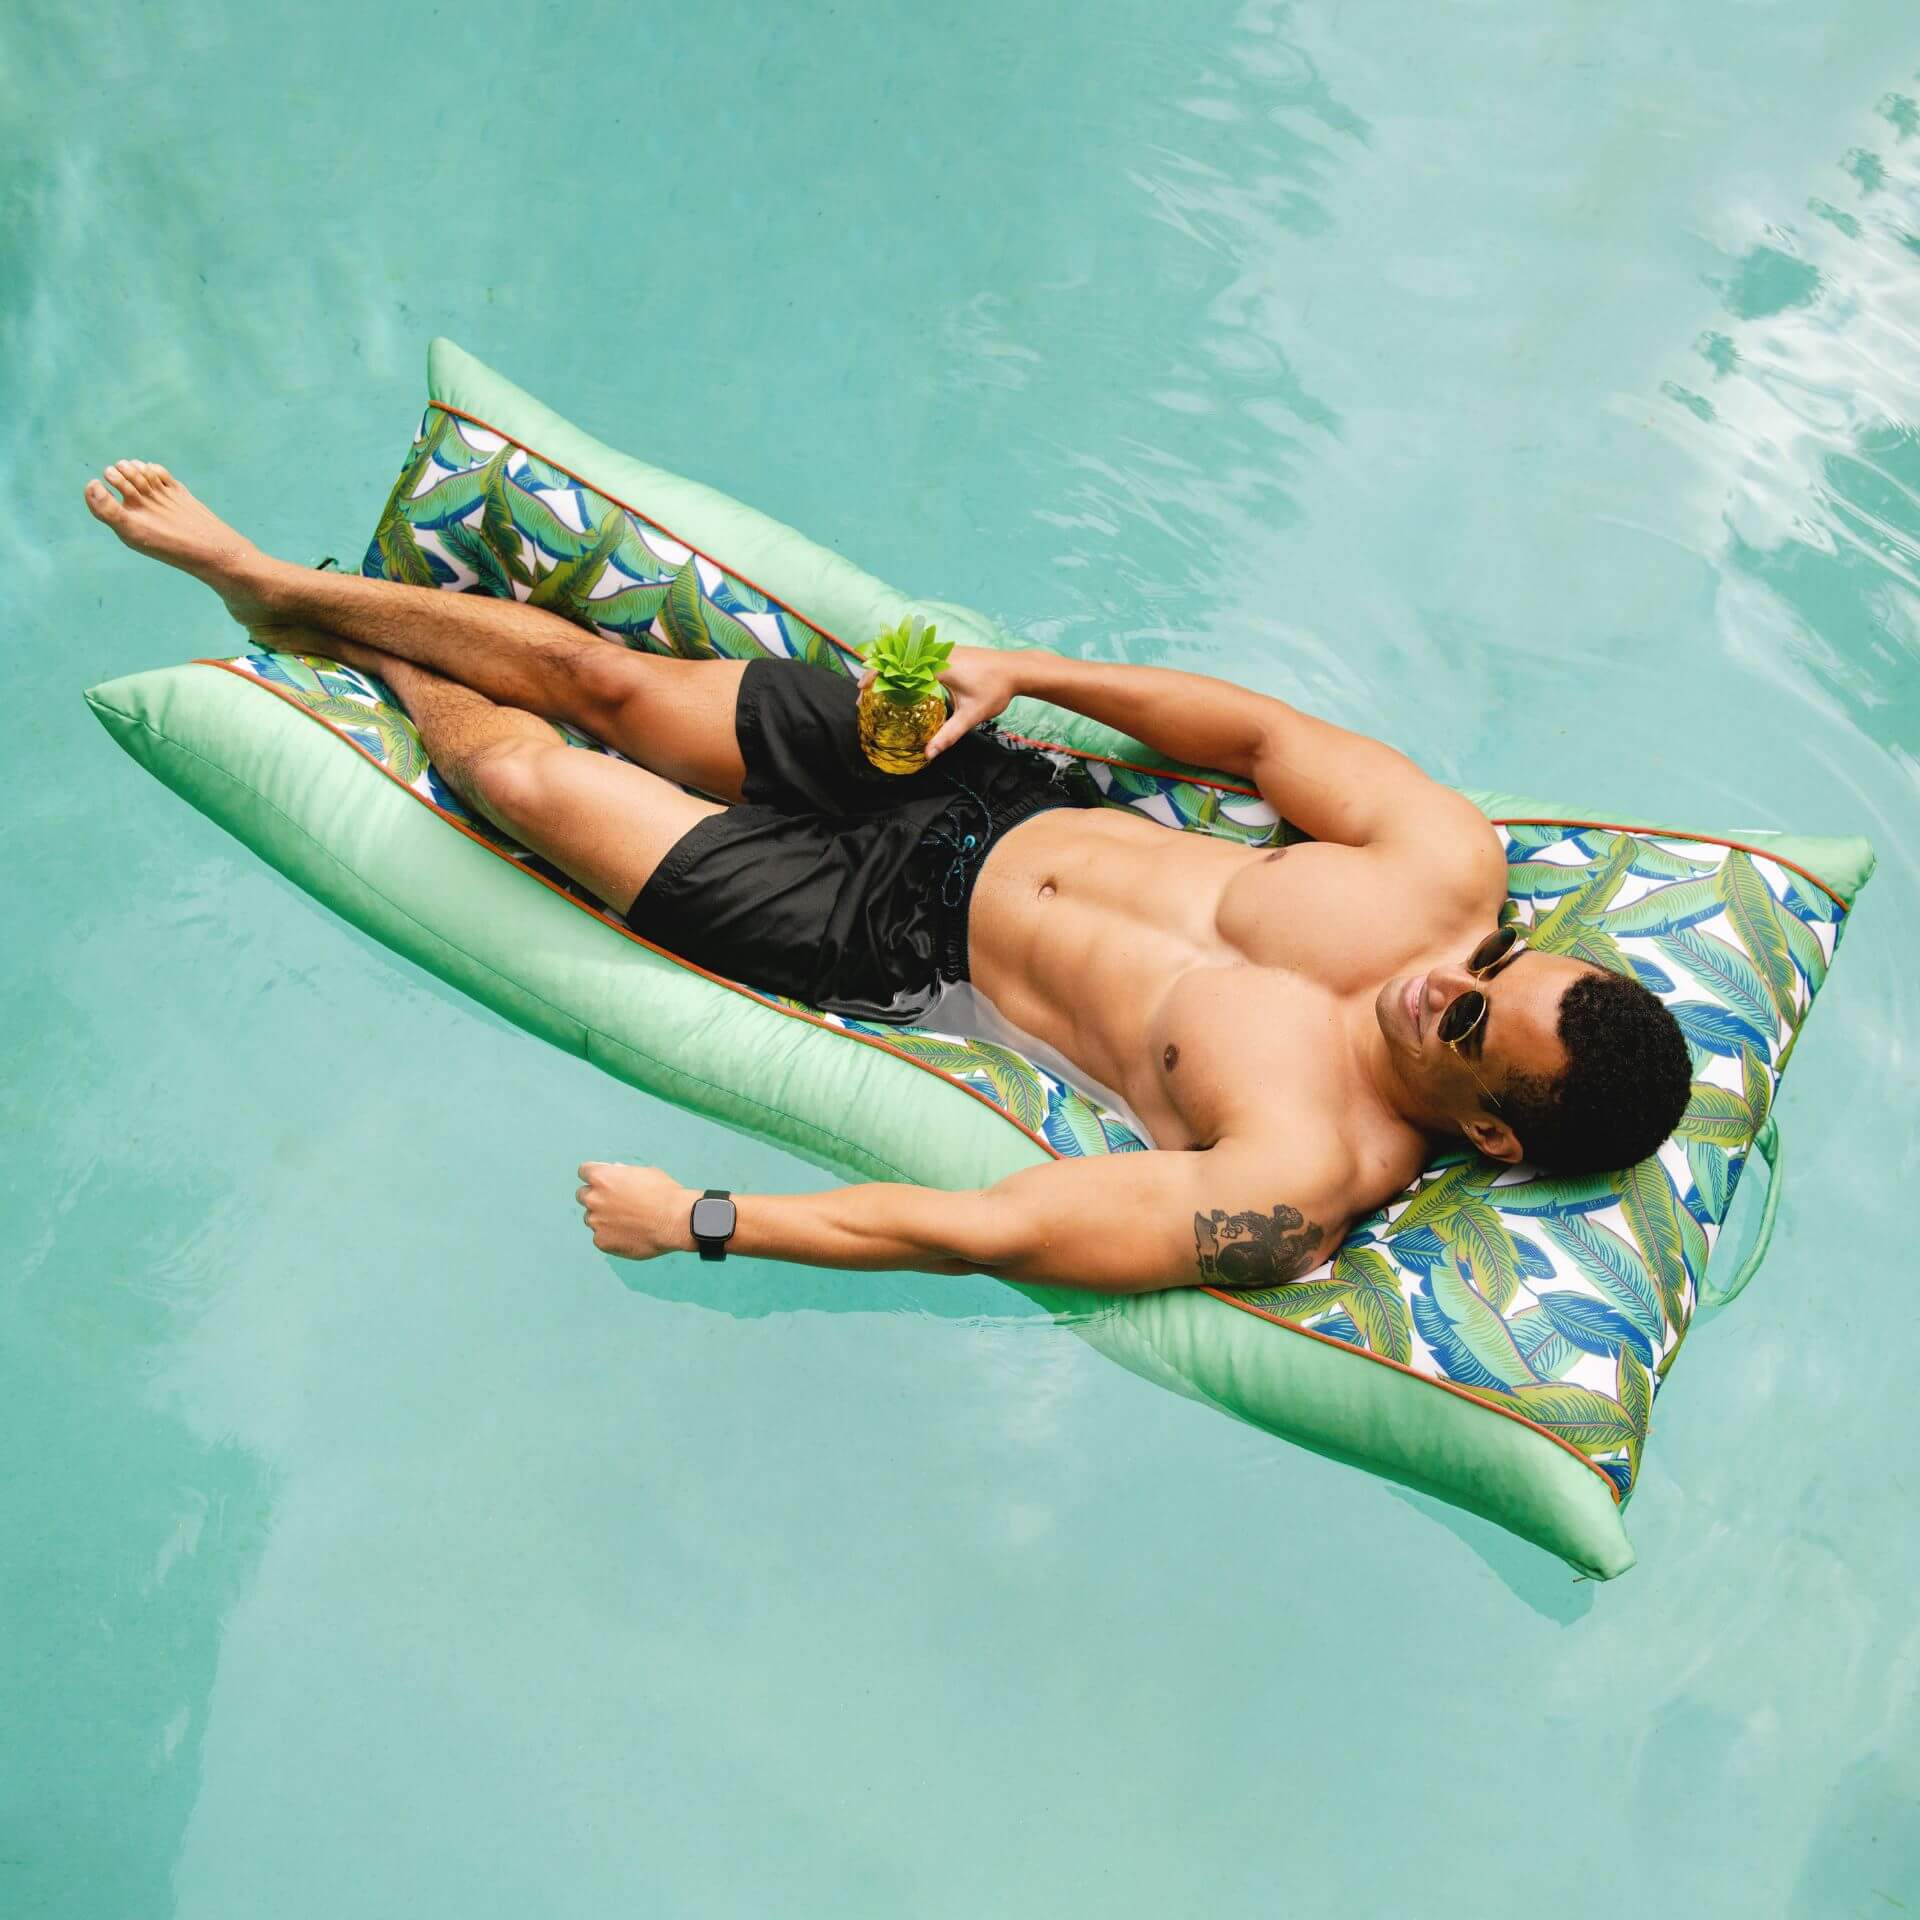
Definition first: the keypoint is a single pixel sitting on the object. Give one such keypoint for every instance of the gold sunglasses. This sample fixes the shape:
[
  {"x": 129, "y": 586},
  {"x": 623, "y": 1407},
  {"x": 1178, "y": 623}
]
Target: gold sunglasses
[{"x": 1465, "y": 1014}]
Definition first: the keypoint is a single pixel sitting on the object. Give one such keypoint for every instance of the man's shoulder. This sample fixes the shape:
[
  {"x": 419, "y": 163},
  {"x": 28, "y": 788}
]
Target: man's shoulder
[
  {"x": 1446, "y": 854},
  {"x": 1451, "y": 848}
]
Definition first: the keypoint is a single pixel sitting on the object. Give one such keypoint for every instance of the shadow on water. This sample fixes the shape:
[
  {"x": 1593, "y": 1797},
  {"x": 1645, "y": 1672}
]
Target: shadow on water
[
  {"x": 758, "y": 1289},
  {"x": 752, "y": 1290},
  {"x": 1532, "y": 1575}
]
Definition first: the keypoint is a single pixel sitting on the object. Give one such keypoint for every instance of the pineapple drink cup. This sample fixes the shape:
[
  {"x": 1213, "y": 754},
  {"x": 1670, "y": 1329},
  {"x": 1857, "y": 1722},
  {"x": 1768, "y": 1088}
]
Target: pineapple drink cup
[{"x": 902, "y": 707}]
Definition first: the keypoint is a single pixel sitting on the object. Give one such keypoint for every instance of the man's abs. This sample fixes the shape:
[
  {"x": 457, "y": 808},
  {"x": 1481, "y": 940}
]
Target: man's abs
[{"x": 1082, "y": 924}]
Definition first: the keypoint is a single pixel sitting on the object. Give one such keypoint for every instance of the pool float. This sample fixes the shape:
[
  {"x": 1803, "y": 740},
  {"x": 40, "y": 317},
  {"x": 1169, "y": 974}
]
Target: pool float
[{"x": 1493, "y": 1337}]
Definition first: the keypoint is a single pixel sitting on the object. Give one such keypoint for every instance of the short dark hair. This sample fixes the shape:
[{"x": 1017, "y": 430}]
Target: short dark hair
[{"x": 1626, "y": 1083}]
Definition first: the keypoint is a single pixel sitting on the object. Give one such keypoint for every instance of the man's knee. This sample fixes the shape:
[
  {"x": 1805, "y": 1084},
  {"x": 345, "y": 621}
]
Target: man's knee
[
  {"x": 508, "y": 780},
  {"x": 610, "y": 678}
]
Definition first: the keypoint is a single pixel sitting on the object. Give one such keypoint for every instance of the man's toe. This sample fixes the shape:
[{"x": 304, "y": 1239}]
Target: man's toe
[{"x": 101, "y": 503}]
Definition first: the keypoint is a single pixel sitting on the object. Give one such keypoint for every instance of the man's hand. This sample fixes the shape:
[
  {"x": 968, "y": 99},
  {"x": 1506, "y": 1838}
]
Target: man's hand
[
  {"x": 981, "y": 681},
  {"x": 636, "y": 1212}
]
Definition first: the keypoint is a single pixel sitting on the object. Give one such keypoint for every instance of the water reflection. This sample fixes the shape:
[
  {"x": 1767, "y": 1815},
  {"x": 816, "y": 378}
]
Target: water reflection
[
  {"x": 1804, "y": 413},
  {"x": 756, "y": 1289}
]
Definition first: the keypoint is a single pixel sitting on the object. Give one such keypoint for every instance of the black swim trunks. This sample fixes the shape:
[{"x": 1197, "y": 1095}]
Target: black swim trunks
[{"x": 838, "y": 884}]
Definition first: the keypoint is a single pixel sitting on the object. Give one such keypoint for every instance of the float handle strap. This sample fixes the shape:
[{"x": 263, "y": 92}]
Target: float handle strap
[{"x": 1766, "y": 1146}]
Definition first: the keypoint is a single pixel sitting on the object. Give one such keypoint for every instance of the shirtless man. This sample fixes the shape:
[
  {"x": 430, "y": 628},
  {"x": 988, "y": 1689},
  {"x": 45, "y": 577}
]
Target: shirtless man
[{"x": 1286, "y": 1024}]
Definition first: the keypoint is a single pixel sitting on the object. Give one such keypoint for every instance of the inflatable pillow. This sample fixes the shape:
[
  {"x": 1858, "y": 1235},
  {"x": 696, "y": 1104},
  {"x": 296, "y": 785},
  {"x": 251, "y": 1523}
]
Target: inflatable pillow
[{"x": 1493, "y": 1337}]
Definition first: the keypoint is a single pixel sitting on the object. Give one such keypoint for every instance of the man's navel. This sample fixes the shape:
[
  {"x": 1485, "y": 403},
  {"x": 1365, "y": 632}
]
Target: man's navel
[
  {"x": 1047, "y": 889},
  {"x": 1171, "y": 1058}
]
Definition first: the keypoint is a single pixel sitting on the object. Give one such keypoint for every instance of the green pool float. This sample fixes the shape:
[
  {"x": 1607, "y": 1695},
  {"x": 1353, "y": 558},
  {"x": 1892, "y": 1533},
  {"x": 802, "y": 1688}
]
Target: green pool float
[{"x": 1492, "y": 1337}]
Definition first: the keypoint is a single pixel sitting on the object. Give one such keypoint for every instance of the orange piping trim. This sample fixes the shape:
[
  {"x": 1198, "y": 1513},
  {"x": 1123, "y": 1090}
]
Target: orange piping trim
[
  {"x": 814, "y": 1020},
  {"x": 1676, "y": 833}
]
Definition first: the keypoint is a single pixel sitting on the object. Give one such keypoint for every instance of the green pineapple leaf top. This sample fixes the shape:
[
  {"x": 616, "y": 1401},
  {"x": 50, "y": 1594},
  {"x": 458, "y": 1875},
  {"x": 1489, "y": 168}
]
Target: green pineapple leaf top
[{"x": 907, "y": 661}]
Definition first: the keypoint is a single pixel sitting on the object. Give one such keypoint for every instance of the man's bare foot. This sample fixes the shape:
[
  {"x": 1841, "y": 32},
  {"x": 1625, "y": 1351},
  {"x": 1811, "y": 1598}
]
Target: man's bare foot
[{"x": 155, "y": 515}]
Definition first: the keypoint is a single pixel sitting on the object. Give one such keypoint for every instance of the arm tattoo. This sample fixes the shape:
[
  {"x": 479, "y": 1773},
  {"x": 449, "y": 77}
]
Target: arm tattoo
[{"x": 1251, "y": 1250}]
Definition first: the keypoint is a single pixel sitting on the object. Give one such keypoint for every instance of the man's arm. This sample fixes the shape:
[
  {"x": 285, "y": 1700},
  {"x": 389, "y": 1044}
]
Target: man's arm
[
  {"x": 1331, "y": 783},
  {"x": 1128, "y": 1223}
]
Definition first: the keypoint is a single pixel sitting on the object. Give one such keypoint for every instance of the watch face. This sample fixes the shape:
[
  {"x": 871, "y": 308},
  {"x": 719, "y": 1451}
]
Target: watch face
[{"x": 712, "y": 1219}]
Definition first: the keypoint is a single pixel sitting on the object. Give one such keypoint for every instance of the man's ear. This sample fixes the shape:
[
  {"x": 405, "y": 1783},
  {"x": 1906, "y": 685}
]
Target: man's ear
[{"x": 1487, "y": 1133}]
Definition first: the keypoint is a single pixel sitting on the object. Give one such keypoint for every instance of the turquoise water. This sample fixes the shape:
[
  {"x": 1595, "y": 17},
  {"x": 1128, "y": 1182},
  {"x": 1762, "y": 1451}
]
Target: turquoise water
[{"x": 1537, "y": 387}]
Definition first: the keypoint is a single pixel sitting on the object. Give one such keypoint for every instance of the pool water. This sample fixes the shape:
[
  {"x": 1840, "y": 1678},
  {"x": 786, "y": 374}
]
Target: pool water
[{"x": 1538, "y": 387}]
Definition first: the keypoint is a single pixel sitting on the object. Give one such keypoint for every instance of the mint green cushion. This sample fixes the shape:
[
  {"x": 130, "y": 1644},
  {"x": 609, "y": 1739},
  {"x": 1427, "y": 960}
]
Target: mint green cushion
[{"x": 1492, "y": 1337}]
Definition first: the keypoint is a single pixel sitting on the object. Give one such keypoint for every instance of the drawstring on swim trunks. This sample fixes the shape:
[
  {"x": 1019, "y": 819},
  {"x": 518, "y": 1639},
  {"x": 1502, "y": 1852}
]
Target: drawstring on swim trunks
[{"x": 967, "y": 848}]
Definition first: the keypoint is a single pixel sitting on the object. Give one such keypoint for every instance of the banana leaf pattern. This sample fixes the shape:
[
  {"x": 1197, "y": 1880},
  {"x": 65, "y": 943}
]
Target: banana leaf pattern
[
  {"x": 1561, "y": 1299},
  {"x": 477, "y": 513}
]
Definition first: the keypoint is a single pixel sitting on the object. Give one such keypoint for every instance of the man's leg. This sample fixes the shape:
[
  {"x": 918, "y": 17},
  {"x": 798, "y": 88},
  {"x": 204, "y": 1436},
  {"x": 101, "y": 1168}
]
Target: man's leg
[
  {"x": 601, "y": 821},
  {"x": 674, "y": 716}
]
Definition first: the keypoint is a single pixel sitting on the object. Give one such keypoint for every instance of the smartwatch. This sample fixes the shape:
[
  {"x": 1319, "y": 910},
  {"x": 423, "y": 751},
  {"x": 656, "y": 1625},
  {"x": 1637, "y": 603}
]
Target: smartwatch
[{"x": 714, "y": 1219}]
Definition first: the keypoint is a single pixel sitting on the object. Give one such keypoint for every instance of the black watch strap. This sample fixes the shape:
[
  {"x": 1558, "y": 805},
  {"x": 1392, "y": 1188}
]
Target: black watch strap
[{"x": 713, "y": 1246}]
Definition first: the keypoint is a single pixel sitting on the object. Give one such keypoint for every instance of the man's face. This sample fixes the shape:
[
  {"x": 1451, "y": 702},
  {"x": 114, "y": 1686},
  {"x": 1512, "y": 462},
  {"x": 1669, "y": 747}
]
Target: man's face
[{"x": 1518, "y": 1035}]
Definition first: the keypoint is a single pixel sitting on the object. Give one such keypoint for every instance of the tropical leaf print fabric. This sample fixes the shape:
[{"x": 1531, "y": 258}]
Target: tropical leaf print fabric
[
  {"x": 1559, "y": 1300},
  {"x": 477, "y": 513}
]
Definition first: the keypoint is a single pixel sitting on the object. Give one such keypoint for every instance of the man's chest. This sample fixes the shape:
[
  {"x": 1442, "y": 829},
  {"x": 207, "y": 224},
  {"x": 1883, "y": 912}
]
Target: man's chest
[{"x": 1342, "y": 919}]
